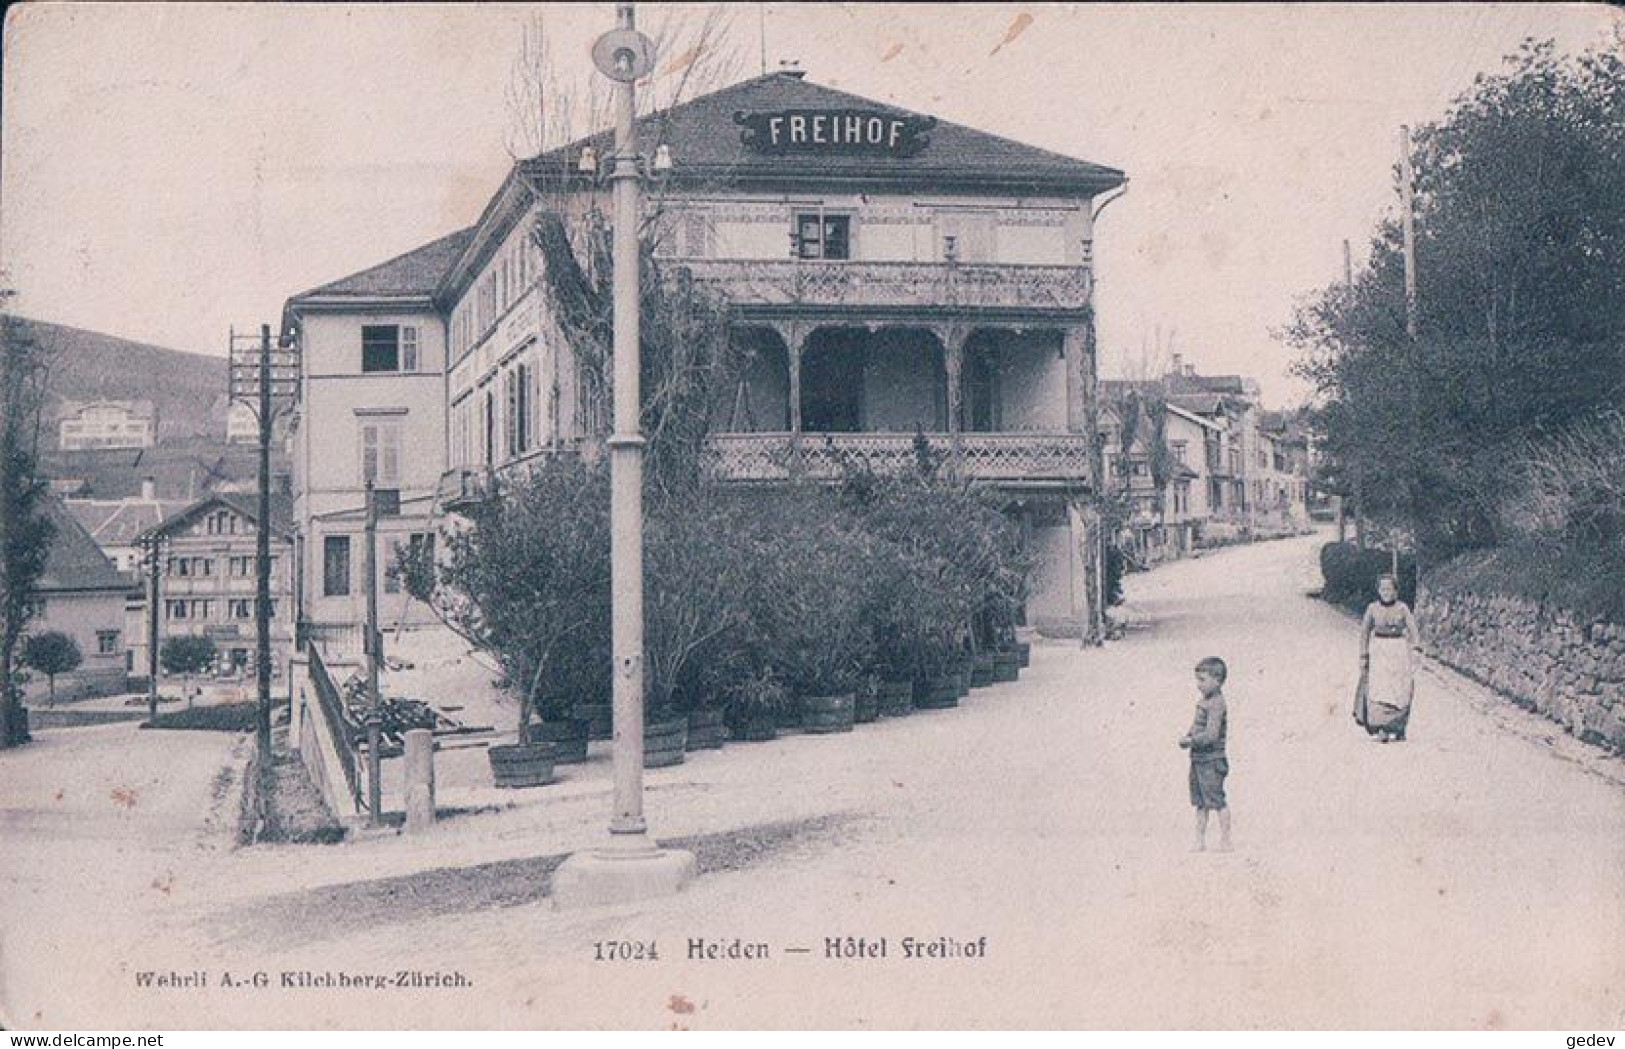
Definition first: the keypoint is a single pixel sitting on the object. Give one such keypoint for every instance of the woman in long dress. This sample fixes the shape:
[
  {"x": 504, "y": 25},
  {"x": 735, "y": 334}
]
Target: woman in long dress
[{"x": 1389, "y": 647}]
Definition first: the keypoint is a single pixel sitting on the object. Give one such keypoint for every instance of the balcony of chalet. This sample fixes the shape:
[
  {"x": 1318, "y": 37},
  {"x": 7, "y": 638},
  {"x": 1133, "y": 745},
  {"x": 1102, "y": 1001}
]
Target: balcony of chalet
[{"x": 756, "y": 284}]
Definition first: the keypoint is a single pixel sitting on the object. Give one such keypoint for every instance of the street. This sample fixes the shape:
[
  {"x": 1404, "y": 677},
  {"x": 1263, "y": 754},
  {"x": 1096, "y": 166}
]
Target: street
[{"x": 1469, "y": 878}]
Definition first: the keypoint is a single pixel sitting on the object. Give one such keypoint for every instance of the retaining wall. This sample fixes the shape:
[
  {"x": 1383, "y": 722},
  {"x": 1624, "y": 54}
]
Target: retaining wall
[{"x": 1543, "y": 658}]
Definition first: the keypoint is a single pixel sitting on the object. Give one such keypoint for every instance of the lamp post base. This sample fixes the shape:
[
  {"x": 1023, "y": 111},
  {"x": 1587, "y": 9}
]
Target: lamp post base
[{"x": 621, "y": 873}]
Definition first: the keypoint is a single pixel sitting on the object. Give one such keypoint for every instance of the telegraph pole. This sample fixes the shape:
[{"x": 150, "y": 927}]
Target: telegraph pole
[
  {"x": 1408, "y": 227},
  {"x": 630, "y": 866},
  {"x": 154, "y": 548},
  {"x": 262, "y": 562},
  {"x": 372, "y": 646},
  {"x": 261, "y": 373}
]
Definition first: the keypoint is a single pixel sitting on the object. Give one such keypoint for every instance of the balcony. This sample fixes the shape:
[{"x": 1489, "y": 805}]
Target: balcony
[
  {"x": 1058, "y": 460},
  {"x": 463, "y": 487},
  {"x": 891, "y": 285}
]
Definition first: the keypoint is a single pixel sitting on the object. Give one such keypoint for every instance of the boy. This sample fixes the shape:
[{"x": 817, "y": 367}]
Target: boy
[{"x": 1205, "y": 741}]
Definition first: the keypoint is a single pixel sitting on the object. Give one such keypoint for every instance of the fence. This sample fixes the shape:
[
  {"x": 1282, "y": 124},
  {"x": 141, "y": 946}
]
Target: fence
[{"x": 338, "y": 726}]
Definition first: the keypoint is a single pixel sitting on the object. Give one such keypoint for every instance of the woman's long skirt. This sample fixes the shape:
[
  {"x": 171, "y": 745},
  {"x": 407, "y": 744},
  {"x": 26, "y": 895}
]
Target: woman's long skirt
[{"x": 1383, "y": 701}]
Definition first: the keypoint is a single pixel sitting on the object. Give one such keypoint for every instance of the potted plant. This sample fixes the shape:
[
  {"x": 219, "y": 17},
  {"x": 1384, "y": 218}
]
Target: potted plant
[
  {"x": 754, "y": 706},
  {"x": 696, "y": 601},
  {"x": 528, "y": 582},
  {"x": 866, "y": 701}
]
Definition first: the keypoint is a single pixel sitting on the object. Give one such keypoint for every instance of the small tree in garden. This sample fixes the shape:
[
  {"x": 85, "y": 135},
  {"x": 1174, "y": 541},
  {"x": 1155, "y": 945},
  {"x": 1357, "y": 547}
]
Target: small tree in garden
[
  {"x": 52, "y": 653},
  {"x": 528, "y": 582},
  {"x": 187, "y": 655}
]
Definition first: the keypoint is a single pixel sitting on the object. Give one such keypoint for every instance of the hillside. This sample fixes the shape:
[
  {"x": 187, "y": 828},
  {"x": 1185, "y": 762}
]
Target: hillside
[{"x": 187, "y": 389}]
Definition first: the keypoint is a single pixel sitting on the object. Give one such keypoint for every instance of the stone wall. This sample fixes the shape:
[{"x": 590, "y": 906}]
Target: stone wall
[{"x": 1541, "y": 657}]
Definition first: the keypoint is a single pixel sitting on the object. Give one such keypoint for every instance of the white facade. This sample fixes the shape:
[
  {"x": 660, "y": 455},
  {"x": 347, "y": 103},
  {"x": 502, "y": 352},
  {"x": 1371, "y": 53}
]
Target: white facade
[
  {"x": 107, "y": 424},
  {"x": 371, "y": 403}
]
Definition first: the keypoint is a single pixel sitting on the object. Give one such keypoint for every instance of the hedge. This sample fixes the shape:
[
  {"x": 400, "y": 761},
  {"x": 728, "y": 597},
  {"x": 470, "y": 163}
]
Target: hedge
[{"x": 1349, "y": 575}]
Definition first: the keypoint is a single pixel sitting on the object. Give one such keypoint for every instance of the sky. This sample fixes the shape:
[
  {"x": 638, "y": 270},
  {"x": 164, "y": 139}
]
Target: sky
[{"x": 168, "y": 172}]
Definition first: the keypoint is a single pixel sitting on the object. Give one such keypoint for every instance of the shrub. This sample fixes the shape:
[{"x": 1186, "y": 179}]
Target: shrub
[
  {"x": 804, "y": 621},
  {"x": 1350, "y": 573},
  {"x": 962, "y": 574},
  {"x": 695, "y": 594},
  {"x": 224, "y": 717}
]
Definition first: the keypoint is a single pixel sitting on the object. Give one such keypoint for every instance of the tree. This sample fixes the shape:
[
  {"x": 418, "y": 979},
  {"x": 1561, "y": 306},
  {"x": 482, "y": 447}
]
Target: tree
[
  {"x": 52, "y": 653},
  {"x": 25, "y": 531},
  {"x": 187, "y": 655},
  {"x": 1520, "y": 261},
  {"x": 527, "y": 581}
]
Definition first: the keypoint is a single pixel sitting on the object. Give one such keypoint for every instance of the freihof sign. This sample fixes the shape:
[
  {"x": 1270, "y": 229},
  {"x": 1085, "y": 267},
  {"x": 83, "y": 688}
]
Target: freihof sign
[{"x": 863, "y": 131}]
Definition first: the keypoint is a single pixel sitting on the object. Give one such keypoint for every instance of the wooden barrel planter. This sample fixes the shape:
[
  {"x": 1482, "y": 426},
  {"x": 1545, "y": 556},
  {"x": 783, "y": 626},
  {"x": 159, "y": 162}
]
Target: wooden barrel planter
[
  {"x": 1006, "y": 666},
  {"x": 1024, "y": 649},
  {"x": 663, "y": 742},
  {"x": 521, "y": 764},
  {"x": 981, "y": 673},
  {"x": 823, "y": 714},
  {"x": 760, "y": 728},
  {"x": 705, "y": 729},
  {"x": 866, "y": 705},
  {"x": 569, "y": 739},
  {"x": 895, "y": 698},
  {"x": 938, "y": 693},
  {"x": 600, "y": 719}
]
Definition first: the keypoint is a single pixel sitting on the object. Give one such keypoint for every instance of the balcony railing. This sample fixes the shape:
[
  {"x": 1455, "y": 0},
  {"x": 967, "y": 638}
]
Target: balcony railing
[
  {"x": 1047, "y": 458},
  {"x": 816, "y": 282}
]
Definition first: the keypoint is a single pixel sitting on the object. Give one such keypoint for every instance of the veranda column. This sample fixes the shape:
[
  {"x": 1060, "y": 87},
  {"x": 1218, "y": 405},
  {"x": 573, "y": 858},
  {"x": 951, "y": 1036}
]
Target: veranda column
[
  {"x": 794, "y": 335},
  {"x": 954, "y": 337}
]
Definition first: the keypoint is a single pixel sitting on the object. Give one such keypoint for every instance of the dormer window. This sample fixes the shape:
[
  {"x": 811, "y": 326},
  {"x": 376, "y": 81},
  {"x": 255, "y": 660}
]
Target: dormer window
[
  {"x": 389, "y": 348},
  {"x": 819, "y": 235}
]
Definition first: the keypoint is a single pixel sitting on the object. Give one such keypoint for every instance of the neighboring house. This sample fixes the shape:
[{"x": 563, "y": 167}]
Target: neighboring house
[
  {"x": 207, "y": 559},
  {"x": 115, "y": 524},
  {"x": 107, "y": 424},
  {"x": 1168, "y": 521},
  {"x": 891, "y": 275},
  {"x": 242, "y": 424},
  {"x": 82, "y": 595}
]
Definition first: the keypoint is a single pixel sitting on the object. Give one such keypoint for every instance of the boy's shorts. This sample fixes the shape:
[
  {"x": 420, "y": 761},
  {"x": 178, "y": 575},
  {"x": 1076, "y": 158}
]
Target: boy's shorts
[{"x": 1207, "y": 783}]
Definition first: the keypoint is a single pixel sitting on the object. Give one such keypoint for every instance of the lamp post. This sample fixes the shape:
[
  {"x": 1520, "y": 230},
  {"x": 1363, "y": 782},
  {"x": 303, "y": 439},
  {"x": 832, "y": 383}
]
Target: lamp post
[{"x": 629, "y": 866}]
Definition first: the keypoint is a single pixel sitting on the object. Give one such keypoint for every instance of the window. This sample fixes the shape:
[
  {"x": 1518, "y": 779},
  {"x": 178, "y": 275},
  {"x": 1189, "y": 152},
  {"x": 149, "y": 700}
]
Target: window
[
  {"x": 409, "y": 349},
  {"x": 380, "y": 348},
  {"x": 241, "y": 608},
  {"x": 522, "y": 408},
  {"x": 106, "y": 642},
  {"x": 821, "y": 236},
  {"x": 381, "y": 452},
  {"x": 510, "y": 413},
  {"x": 177, "y": 610},
  {"x": 389, "y": 348},
  {"x": 335, "y": 566}
]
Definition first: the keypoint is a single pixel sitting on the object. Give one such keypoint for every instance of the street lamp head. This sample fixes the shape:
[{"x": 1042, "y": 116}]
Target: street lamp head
[
  {"x": 587, "y": 164},
  {"x": 663, "y": 161}
]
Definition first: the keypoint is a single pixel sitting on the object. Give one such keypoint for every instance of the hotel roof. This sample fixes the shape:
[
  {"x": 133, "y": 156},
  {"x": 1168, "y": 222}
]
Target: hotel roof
[{"x": 706, "y": 143}]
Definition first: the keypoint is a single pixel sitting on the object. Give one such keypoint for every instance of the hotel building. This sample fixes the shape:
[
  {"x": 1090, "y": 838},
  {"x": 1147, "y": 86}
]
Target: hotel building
[{"x": 892, "y": 276}]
